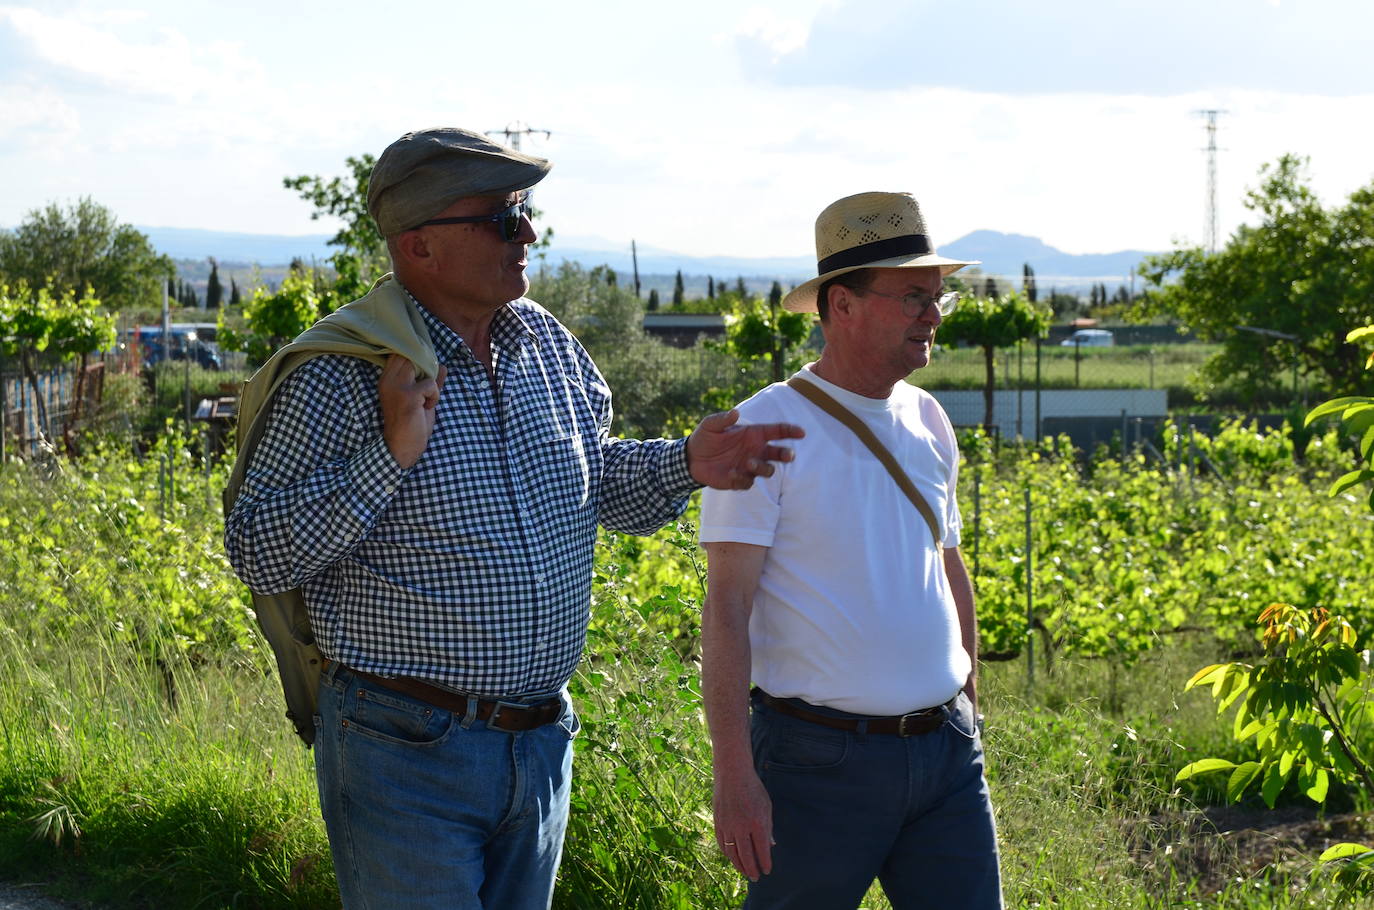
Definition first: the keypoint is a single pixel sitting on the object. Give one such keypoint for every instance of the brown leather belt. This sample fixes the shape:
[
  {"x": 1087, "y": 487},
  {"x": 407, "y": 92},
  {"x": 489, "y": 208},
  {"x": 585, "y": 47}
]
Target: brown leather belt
[
  {"x": 499, "y": 715},
  {"x": 916, "y": 723}
]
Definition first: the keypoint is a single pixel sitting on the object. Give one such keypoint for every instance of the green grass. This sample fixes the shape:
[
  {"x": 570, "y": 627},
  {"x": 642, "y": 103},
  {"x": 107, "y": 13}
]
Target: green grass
[
  {"x": 1134, "y": 366},
  {"x": 145, "y": 762}
]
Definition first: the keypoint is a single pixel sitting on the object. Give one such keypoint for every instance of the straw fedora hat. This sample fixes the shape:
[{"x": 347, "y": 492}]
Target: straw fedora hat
[{"x": 869, "y": 231}]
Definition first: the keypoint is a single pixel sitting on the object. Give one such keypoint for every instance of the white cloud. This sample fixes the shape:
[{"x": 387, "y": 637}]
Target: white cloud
[
  {"x": 168, "y": 65},
  {"x": 778, "y": 34},
  {"x": 34, "y": 116}
]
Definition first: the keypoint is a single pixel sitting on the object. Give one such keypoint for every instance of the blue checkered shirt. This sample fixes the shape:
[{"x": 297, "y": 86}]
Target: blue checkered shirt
[{"x": 472, "y": 568}]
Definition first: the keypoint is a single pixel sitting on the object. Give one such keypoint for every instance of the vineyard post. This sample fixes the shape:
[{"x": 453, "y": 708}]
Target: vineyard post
[
  {"x": 1030, "y": 603},
  {"x": 977, "y": 517},
  {"x": 205, "y": 460},
  {"x": 187, "y": 390},
  {"x": 1020, "y": 389},
  {"x": 1037, "y": 389},
  {"x": 1192, "y": 460}
]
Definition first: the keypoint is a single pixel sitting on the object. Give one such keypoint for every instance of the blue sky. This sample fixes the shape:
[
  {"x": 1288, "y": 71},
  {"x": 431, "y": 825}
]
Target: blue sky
[{"x": 707, "y": 128}]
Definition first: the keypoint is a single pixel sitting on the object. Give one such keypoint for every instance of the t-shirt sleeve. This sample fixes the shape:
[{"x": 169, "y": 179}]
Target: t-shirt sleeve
[
  {"x": 745, "y": 516},
  {"x": 949, "y": 449}
]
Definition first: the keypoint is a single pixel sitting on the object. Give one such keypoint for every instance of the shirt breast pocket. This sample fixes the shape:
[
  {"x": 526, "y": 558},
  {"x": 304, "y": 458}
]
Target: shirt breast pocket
[{"x": 567, "y": 470}]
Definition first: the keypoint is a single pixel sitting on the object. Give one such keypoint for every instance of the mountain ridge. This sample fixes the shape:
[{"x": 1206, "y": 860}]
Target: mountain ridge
[{"x": 1002, "y": 255}]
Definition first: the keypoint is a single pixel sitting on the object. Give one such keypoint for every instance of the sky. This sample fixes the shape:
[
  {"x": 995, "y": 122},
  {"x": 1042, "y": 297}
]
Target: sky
[{"x": 716, "y": 127}]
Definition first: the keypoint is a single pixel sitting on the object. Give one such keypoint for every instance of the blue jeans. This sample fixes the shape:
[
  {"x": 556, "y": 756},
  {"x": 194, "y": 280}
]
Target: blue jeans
[
  {"x": 429, "y": 809},
  {"x": 912, "y": 812}
]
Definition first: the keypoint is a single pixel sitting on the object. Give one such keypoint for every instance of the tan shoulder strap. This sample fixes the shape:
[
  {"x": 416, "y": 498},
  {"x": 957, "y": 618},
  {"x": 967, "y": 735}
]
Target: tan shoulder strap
[{"x": 814, "y": 394}]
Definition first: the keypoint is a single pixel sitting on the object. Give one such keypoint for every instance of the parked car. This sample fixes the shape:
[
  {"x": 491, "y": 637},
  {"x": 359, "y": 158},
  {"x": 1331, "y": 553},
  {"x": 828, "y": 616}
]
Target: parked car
[
  {"x": 1089, "y": 338},
  {"x": 187, "y": 344}
]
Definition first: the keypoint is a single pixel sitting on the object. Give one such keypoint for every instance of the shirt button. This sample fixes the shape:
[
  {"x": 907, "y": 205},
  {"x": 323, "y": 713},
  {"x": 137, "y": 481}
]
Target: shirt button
[{"x": 539, "y": 577}]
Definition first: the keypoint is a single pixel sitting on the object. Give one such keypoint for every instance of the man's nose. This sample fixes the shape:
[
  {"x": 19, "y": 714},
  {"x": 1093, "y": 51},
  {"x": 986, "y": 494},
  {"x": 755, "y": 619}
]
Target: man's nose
[{"x": 527, "y": 233}]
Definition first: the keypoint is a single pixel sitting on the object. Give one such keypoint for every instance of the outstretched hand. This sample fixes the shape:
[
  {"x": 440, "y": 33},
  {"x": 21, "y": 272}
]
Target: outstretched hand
[{"x": 728, "y": 455}]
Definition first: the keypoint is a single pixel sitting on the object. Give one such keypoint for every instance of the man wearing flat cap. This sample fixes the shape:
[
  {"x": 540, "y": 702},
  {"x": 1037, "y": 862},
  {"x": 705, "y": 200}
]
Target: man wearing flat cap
[
  {"x": 835, "y": 587},
  {"x": 414, "y": 507}
]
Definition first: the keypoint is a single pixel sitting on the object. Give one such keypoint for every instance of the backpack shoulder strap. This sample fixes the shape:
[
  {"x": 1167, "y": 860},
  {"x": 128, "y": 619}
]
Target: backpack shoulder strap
[{"x": 813, "y": 393}]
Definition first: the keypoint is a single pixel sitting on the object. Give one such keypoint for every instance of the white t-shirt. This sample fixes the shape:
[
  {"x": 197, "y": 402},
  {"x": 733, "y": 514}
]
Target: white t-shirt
[{"x": 853, "y": 608}]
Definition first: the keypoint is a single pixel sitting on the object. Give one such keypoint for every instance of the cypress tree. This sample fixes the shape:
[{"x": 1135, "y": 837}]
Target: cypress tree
[
  {"x": 653, "y": 300},
  {"x": 234, "y": 298},
  {"x": 710, "y": 288},
  {"x": 1028, "y": 282},
  {"x": 741, "y": 289},
  {"x": 214, "y": 291},
  {"x": 678, "y": 290},
  {"x": 990, "y": 288}
]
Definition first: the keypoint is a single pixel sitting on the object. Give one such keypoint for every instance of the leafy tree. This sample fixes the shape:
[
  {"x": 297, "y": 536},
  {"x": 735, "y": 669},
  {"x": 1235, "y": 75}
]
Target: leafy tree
[
  {"x": 272, "y": 318},
  {"x": 990, "y": 288},
  {"x": 83, "y": 246},
  {"x": 755, "y": 329},
  {"x": 740, "y": 289},
  {"x": 214, "y": 291},
  {"x": 362, "y": 255},
  {"x": 678, "y": 291},
  {"x": 1308, "y": 704},
  {"x": 1304, "y": 271},
  {"x": 991, "y": 324},
  {"x": 44, "y": 325}
]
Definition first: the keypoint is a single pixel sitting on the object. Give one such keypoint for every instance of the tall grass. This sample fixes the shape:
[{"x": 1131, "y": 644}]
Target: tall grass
[{"x": 144, "y": 759}]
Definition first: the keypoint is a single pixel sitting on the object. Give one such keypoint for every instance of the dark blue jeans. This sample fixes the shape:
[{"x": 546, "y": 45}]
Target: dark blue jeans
[
  {"x": 912, "y": 812},
  {"x": 426, "y": 809}
]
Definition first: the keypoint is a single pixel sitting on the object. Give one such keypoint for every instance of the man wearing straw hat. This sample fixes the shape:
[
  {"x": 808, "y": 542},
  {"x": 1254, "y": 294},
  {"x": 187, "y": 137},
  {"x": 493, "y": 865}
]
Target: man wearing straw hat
[
  {"x": 414, "y": 506},
  {"x": 836, "y": 587}
]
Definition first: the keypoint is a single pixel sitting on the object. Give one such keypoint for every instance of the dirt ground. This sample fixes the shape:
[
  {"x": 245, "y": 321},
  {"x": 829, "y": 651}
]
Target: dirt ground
[{"x": 1214, "y": 846}]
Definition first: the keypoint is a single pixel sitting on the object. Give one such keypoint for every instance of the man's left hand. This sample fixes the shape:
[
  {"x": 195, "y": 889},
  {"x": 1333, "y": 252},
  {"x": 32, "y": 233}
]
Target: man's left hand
[{"x": 724, "y": 454}]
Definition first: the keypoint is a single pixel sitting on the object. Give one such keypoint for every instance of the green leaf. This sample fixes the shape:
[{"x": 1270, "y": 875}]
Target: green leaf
[
  {"x": 1346, "y": 481},
  {"x": 1333, "y": 406},
  {"x": 1203, "y": 766},
  {"x": 1286, "y": 762},
  {"x": 1345, "y": 851},
  {"x": 1311, "y": 738},
  {"x": 1274, "y": 779},
  {"x": 1321, "y": 782},
  {"x": 1241, "y": 778},
  {"x": 1205, "y": 675},
  {"x": 1362, "y": 332}
]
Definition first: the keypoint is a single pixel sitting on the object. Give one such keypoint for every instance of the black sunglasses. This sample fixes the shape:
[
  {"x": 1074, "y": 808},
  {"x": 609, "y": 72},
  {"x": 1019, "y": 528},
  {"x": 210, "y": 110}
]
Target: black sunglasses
[{"x": 509, "y": 218}]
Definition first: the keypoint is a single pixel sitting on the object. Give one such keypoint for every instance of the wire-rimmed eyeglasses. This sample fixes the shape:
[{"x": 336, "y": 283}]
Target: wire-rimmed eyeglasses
[{"x": 916, "y": 304}]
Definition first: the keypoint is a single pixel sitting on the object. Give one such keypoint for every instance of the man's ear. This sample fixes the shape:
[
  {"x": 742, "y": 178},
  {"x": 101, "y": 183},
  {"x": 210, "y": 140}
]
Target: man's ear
[
  {"x": 841, "y": 301},
  {"x": 412, "y": 248}
]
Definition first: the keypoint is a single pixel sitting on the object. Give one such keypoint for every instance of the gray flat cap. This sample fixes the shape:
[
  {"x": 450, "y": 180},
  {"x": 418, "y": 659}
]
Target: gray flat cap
[{"x": 424, "y": 172}]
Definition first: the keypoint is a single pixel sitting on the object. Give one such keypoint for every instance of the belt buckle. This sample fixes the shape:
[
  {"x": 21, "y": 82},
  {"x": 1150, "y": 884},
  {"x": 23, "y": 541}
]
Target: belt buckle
[
  {"x": 496, "y": 714},
  {"x": 914, "y": 716}
]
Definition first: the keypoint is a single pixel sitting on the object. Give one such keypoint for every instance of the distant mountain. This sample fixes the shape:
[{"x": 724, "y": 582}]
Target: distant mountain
[
  {"x": 1002, "y": 255},
  {"x": 1006, "y": 254},
  {"x": 264, "y": 249},
  {"x": 654, "y": 260}
]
